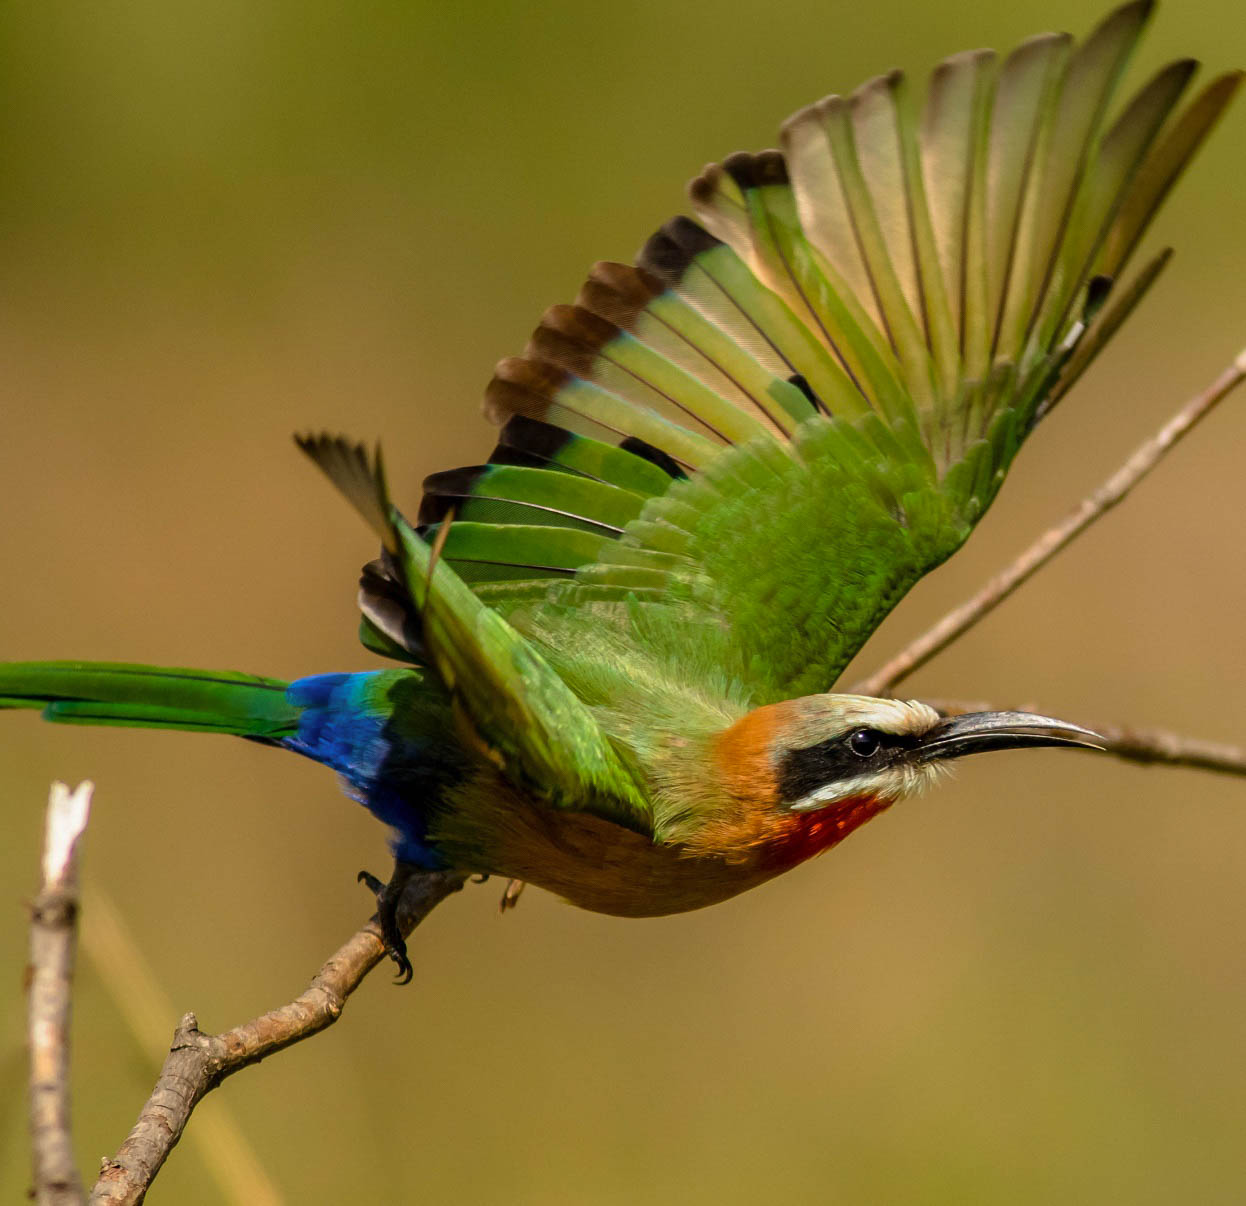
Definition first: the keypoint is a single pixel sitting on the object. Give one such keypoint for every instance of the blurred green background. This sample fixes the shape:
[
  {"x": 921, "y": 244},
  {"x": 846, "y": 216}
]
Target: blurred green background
[{"x": 221, "y": 223}]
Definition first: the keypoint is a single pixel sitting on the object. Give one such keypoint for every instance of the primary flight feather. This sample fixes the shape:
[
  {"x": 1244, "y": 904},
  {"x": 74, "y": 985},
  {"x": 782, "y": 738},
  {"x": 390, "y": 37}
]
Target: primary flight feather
[{"x": 718, "y": 471}]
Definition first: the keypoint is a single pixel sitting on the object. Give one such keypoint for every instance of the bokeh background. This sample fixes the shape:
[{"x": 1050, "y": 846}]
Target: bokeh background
[{"x": 220, "y": 223}]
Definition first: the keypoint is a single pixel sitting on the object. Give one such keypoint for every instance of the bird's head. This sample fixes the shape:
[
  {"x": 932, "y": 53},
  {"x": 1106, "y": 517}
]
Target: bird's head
[{"x": 808, "y": 771}]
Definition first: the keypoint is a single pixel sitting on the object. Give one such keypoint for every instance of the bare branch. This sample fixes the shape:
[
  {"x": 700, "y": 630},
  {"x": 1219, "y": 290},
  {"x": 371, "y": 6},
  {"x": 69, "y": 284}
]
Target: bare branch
[
  {"x": 958, "y": 621},
  {"x": 1137, "y": 745},
  {"x": 53, "y": 937},
  {"x": 198, "y": 1062}
]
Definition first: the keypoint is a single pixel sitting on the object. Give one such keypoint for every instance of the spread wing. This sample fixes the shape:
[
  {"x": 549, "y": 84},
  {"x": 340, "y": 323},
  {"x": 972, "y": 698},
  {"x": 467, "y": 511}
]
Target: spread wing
[{"x": 753, "y": 442}]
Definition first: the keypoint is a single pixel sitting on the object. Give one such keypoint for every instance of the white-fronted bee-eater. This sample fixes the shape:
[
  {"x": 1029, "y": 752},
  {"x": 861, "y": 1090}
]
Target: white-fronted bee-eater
[{"x": 718, "y": 469}]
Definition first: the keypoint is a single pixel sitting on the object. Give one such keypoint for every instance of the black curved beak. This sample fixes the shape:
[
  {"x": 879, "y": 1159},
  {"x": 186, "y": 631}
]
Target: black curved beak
[{"x": 978, "y": 732}]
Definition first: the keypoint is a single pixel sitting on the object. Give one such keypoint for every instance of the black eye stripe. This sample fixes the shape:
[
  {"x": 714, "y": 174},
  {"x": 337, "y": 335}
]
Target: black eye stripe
[{"x": 803, "y": 771}]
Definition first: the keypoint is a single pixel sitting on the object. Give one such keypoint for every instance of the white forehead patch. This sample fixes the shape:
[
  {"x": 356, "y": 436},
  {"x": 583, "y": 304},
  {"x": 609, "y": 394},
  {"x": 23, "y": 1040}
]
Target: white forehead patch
[{"x": 909, "y": 716}]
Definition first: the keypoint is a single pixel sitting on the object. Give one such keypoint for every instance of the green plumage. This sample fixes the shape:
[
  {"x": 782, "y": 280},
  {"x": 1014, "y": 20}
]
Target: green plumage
[
  {"x": 718, "y": 471},
  {"x": 122, "y": 694},
  {"x": 843, "y": 358},
  {"x": 520, "y": 711}
]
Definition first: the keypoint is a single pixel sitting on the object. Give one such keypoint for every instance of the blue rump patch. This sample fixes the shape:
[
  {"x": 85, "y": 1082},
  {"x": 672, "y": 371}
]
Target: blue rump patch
[{"x": 348, "y": 724}]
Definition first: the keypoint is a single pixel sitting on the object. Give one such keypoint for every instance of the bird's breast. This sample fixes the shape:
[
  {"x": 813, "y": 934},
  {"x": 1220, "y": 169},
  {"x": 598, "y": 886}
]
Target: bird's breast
[{"x": 602, "y": 867}]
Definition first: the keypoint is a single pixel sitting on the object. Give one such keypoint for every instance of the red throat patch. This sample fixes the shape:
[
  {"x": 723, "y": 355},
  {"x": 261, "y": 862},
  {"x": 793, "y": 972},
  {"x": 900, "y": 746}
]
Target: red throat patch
[
  {"x": 801, "y": 835},
  {"x": 763, "y": 831}
]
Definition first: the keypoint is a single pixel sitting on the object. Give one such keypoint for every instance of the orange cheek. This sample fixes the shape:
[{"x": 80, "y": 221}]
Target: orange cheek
[
  {"x": 742, "y": 754},
  {"x": 759, "y": 829}
]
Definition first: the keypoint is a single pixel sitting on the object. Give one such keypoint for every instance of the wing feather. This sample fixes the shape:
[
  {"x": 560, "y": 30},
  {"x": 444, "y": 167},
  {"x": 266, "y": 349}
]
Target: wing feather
[
  {"x": 540, "y": 734},
  {"x": 732, "y": 459}
]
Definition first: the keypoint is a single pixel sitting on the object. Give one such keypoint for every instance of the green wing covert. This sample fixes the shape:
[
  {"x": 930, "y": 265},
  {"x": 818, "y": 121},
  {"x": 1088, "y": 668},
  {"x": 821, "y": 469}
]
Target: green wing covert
[
  {"x": 753, "y": 442},
  {"x": 510, "y": 703}
]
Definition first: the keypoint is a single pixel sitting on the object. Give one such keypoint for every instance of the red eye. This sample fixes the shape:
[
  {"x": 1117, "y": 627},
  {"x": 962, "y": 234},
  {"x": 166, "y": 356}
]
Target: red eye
[{"x": 865, "y": 742}]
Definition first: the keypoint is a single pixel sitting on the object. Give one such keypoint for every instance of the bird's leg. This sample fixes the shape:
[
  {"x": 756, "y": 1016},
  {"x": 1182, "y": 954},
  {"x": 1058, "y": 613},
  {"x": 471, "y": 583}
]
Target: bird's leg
[
  {"x": 510, "y": 898},
  {"x": 388, "y": 898},
  {"x": 411, "y": 894}
]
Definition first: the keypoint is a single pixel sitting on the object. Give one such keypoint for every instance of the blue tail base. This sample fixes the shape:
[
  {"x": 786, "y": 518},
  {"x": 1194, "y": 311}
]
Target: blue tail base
[{"x": 386, "y": 734}]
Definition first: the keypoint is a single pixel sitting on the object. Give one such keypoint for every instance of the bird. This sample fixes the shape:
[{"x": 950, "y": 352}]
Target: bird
[{"x": 612, "y": 647}]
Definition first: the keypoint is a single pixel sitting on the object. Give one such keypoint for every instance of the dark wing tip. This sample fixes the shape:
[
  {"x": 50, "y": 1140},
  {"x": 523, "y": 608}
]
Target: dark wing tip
[
  {"x": 740, "y": 168},
  {"x": 655, "y": 456},
  {"x": 359, "y": 478},
  {"x": 770, "y": 167},
  {"x": 570, "y": 337},
  {"x": 618, "y": 293},
  {"x": 626, "y": 279},
  {"x": 579, "y": 323},
  {"x": 668, "y": 252},
  {"x": 662, "y": 257},
  {"x": 748, "y": 171},
  {"x": 445, "y": 490},
  {"x": 538, "y": 440},
  {"x": 522, "y": 386},
  {"x": 703, "y": 187},
  {"x": 1097, "y": 290}
]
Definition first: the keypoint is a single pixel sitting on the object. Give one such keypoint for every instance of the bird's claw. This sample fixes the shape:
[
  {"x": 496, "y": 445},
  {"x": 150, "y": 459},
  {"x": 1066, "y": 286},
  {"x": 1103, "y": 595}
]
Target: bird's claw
[
  {"x": 510, "y": 898},
  {"x": 388, "y": 896},
  {"x": 375, "y": 886}
]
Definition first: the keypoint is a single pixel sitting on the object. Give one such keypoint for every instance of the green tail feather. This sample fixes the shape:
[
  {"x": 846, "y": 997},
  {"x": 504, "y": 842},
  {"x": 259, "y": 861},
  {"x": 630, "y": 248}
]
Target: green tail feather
[{"x": 160, "y": 697}]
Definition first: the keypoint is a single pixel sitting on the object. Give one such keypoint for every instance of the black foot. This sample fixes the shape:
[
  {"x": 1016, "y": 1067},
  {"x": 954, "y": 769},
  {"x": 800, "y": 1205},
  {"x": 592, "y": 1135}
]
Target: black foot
[{"x": 388, "y": 896}]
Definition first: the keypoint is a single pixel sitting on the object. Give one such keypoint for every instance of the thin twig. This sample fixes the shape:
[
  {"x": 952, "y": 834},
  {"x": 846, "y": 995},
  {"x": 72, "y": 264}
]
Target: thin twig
[
  {"x": 958, "y": 621},
  {"x": 198, "y": 1062},
  {"x": 1147, "y": 746},
  {"x": 53, "y": 937}
]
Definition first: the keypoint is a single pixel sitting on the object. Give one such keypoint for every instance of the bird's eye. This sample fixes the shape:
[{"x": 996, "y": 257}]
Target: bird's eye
[{"x": 864, "y": 742}]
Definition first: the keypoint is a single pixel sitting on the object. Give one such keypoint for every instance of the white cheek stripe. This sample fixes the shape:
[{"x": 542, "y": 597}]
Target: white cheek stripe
[
  {"x": 890, "y": 784},
  {"x": 828, "y": 793}
]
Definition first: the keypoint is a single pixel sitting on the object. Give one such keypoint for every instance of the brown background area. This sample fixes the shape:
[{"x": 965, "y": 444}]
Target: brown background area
[{"x": 221, "y": 223}]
